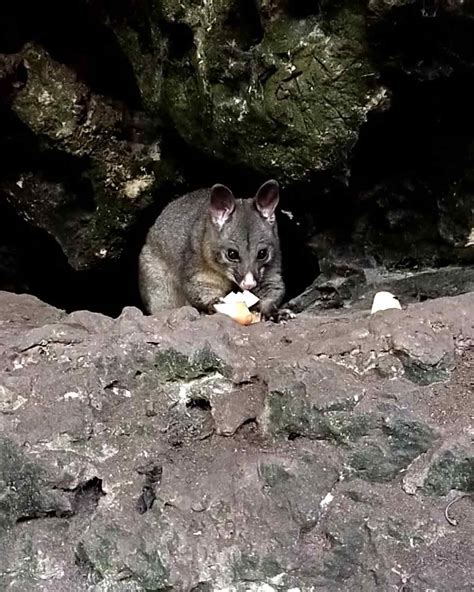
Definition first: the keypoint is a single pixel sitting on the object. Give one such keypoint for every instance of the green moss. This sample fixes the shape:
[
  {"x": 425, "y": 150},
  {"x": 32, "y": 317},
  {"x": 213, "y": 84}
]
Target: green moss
[
  {"x": 98, "y": 553},
  {"x": 408, "y": 439},
  {"x": 150, "y": 570},
  {"x": 47, "y": 103},
  {"x": 373, "y": 463},
  {"x": 347, "y": 427},
  {"x": 454, "y": 470},
  {"x": 399, "y": 444},
  {"x": 20, "y": 485},
  {"x": 423, "y": 374},
  {"x": 251, "y": 567},
  {"x": 171, "y": 365},
  {"x": 106, "y": 553},
  {"x": 292, "y": 413}
]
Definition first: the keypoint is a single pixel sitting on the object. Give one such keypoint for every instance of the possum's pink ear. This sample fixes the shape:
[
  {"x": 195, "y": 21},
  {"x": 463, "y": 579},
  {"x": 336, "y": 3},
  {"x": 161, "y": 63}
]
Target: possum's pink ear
[
  {"x": 267, "y": 199},
  {"x": 222, "y": 205}
]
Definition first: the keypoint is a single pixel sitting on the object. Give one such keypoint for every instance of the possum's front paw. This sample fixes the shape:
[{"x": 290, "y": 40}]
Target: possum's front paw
[
  {"x": 283, "y": 314},
  {"x": 210, "y": 306},
  {"x": 270, "y": 312},
  {"x": 267, "y": 309}
]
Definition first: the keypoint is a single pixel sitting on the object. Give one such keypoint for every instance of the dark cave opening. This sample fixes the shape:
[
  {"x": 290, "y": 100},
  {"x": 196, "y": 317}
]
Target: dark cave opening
[
  {"x": 82, "y": 37},
  {"x": 31, "y": 261},
  {"x": 180, "y": 39},
  {"x": 75, "y": 34},
  {"x": 243, "y": 26},
  {"x": 303, "y": 8}
]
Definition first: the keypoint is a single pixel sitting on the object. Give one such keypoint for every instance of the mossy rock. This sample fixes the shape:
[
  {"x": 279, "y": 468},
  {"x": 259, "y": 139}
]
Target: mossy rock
[
  {"x": 108, "y": 553},
  {"x": 24, "y": 492},
  {"x": 453, "y": 470},
  {"x": 292, "y": 412},
  {"x": 288, "y": 103},
  {"x": 383, "y": 455},
  {"x": 172, "y": 365}
]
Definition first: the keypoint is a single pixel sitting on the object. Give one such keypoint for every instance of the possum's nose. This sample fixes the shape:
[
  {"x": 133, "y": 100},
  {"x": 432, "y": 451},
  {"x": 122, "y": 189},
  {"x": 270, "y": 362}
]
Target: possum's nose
[{"x": 248, "y": 283}]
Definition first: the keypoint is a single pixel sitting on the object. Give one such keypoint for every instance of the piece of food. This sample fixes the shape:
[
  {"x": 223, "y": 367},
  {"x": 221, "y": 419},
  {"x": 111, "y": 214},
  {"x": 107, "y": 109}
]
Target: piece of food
[
  {"x": 384, "y": 301},
  {"x": 236, "y": 305},
  {"x": 246, "y": 297},
  {"x": 238, "y": 311}
]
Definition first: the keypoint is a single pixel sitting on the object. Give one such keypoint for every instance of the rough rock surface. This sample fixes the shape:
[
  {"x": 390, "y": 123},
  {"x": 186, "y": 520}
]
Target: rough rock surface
[
  {"x": 187, "y": 453},
  {"x": 287, "y": 90}
]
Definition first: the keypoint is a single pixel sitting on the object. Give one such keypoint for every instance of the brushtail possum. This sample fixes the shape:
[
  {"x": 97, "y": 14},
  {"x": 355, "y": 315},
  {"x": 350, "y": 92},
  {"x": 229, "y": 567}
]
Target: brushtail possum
[{"x": 206, "y": 244}]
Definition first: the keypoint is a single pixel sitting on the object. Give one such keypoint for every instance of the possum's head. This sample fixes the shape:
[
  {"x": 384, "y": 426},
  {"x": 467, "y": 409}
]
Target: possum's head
[{"x": 243, "y": 236}]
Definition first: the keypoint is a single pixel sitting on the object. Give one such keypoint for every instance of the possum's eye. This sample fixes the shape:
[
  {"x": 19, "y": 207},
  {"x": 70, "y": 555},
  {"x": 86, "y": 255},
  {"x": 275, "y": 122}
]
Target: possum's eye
[
  {"x": 262, "y": 254},
  {"x": 232, "y": 255}
]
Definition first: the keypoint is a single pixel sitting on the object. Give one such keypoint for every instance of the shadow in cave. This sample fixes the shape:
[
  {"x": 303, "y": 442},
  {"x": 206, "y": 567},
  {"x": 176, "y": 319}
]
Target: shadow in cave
[
  {"x": 32, "y": 262},
  {"x": 78, "y": 35},
  {"x": 30, "y": 258}
]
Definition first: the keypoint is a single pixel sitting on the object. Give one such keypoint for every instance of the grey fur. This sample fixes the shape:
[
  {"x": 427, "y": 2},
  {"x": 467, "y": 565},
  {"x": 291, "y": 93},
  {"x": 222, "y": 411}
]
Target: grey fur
[{"x": 185, "y": 257}]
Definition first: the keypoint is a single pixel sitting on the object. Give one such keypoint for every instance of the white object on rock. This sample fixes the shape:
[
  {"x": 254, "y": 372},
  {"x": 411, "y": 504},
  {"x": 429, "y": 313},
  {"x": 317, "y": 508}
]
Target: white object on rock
[
  {"x": 384, "y": 301},
  {"x": 470, "y": 239},
  {"x": 236, "y": 305},
  {"x": 246, "y": 297}
]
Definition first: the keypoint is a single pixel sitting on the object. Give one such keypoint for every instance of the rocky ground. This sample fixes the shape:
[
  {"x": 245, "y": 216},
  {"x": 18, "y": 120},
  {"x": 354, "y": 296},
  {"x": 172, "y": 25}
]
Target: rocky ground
[{"x": 188, "y": 453}]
